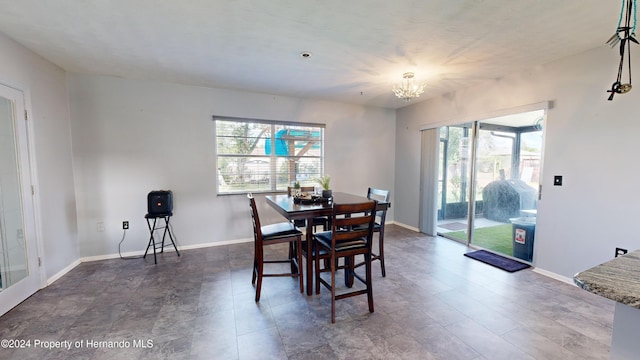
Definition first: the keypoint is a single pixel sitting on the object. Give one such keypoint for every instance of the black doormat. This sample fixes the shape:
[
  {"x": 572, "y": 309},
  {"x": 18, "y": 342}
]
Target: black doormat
[{"x": 498, "y": 261}]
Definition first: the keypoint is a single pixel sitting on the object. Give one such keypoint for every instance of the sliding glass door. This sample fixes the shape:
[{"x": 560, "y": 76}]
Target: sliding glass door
[
  {"x": 454, "y": 181},
  {"x": 501, "y": 193}
]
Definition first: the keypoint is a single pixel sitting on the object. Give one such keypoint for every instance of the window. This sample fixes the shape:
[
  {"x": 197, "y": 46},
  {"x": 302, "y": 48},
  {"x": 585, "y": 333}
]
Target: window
[{"x": 266, "y": 156}]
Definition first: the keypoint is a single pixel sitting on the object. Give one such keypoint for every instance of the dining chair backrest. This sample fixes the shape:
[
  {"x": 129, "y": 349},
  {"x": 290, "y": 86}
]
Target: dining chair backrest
[
  {"x": 382, "y": 196},
  {"x": 255, "y": 219},
  {"x": 378, "y": 194},
  {"x": 351, "y": 235},
  {"x": 353, "y": 222}
]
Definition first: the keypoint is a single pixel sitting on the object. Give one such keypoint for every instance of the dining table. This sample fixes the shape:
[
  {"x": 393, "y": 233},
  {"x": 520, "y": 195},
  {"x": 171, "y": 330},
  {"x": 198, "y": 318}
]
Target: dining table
[{"x": 307, "y": 210}]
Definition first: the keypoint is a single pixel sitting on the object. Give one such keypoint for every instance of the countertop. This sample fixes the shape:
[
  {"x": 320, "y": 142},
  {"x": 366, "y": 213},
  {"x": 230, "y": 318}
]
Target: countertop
[{"x": 617, "y": 279}]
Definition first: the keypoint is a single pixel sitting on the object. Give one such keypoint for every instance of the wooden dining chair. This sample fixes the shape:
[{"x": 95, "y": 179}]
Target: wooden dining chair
[
  {"x": 351, "y": 234},
  {"x": 263, "y": 236},
  {"x": 317, "y": 221},
  {"x": 378, "y": 227}
]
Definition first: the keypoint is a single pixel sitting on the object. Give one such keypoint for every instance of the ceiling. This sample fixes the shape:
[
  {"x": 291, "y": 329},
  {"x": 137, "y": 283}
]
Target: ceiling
[{"x": 359, "y": 48}]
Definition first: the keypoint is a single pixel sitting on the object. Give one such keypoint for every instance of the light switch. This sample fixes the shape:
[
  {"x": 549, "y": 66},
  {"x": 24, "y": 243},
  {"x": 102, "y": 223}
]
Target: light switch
[{"x": 557, "y": 180}]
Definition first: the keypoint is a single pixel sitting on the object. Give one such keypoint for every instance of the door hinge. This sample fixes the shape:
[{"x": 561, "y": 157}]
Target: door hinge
[
  {"x": 25, "y": 115},
  {"x": 33, "y": 190},
  {"x": 39, "y": 262}
]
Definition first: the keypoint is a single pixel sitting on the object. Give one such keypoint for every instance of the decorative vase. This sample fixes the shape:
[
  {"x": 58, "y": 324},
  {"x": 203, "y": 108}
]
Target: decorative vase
[{"x": 326, "y": 194}]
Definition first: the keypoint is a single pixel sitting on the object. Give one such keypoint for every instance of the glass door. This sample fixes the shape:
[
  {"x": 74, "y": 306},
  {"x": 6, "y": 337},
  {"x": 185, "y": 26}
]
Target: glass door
[
  {"x": 498, "y": 212},
  {"x": 508, "y": 157},
  {"x": 454, "y": 181},
  {"x": 19, "y": 275}
]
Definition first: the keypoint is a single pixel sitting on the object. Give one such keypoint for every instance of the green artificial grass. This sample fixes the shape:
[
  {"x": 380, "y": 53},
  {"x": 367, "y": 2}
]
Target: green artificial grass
[{"x": 497, "y": 238}]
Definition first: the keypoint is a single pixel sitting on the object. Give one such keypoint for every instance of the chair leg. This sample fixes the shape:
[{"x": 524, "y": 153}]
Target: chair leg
[
  {"x": 255, "y": 269},
  {"x": 349, "y": 263},
  {"x": 333, "y": 292},
  {"x": 260, "y": 268},
  {"x": 299, "y": 257},
  {"x": 381, "y": 251},
  {"x": 317, "y": 268},
  {"x": 255, "y": 264},
  {"x": 368, "y": 279},
  {"x": 293, "y": 256}
]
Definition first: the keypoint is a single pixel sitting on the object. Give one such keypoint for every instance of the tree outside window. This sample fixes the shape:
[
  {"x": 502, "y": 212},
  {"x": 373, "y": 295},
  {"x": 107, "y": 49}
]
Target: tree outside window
[{"x": 266, "y": 156}]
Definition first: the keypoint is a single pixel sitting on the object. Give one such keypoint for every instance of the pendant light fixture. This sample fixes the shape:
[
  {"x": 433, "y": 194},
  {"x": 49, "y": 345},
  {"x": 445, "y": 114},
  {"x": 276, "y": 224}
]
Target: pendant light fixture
[
  {"x": 408, "y": 89},
  {"x": 625, "y": 35}
]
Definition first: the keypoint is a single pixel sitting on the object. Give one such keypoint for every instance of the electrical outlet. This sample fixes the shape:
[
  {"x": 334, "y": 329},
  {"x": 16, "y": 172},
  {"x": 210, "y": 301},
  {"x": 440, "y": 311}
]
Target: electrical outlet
[
  {"x": 620, "y": 251},
  {"x": 125, "y": 225},
  {"x": 100, "y": 226}
]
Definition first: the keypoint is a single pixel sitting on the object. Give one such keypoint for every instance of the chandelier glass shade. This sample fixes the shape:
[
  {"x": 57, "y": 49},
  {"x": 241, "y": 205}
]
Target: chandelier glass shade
[{"x": 408, "y": 89}]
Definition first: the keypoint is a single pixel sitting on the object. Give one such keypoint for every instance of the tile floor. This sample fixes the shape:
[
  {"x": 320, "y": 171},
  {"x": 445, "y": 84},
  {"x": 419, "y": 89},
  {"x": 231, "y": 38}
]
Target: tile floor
[{"x": 433, "y": 304}]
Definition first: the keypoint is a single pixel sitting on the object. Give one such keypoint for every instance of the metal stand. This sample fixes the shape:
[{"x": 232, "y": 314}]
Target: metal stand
[{"x": 151, "y": 223}]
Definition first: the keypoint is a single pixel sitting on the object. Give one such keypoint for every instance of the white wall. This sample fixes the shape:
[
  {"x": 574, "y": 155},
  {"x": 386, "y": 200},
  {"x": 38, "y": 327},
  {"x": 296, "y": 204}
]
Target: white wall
[
  {"x": 131, "y": 137},
  {"x": 45, "y": 86},
  {"x": 588, "y": 140}
]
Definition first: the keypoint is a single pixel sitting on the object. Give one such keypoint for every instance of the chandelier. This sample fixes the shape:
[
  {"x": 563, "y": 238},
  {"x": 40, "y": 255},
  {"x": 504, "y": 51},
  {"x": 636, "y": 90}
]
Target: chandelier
[{"x": 408, "y": 89}]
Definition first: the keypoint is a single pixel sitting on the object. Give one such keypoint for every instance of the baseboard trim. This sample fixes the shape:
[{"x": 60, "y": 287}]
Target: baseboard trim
[
  {"x": 554, "y": 276},
  {"x": 218, "y": 243},
  {"x": 404, "y": 226},
  {"x": 64, "y": 271},
  {"x": 71, "y": 266}
]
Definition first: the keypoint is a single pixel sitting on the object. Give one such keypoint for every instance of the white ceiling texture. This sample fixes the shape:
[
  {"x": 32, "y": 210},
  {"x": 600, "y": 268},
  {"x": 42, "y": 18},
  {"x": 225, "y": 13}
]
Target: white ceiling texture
[{"x": 359, "y": 48}]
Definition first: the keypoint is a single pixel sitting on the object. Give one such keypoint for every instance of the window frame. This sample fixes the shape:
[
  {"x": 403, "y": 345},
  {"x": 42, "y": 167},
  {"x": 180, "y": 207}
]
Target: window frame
[{"x": 272, "y": 173}]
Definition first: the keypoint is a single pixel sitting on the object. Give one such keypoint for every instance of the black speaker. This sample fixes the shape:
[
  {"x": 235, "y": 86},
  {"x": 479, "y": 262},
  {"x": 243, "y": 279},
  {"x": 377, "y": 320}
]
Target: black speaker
[{"x": 160, "y": 203}]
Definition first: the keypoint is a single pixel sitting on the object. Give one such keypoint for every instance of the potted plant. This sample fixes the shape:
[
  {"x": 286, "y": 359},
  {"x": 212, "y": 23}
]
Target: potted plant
[
  {"x": 296, "y": 189},
  {"x": 324, "y": 181}
]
